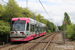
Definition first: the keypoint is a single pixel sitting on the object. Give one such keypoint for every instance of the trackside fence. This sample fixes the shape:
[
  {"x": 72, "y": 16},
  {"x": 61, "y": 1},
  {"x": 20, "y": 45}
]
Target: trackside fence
[{"x": 4, "y": 39}]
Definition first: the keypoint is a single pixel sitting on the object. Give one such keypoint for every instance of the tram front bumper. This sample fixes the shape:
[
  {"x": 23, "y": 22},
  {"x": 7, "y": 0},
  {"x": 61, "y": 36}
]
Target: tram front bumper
[{"x": 17, "y": 36}]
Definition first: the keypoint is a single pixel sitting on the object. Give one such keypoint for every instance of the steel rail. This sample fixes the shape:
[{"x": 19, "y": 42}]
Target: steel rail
[
  {"x": 16, "y": 46},
  {"x": 49, "y": 42},
  {"x": 38, "y": 42}
]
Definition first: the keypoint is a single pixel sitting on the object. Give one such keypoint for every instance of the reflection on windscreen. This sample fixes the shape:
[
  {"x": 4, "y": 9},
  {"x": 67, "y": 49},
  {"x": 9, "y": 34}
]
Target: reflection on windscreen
[{"x": 18, "y": 25}]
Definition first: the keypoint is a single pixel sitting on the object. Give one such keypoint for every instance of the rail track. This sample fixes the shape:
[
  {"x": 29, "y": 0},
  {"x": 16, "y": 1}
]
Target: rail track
[
  {"x": 5, "y": 45},
  {"x": 49, "y": 42},
  {"x": 16, "y": 46},
  {"x": 10, "y": 46},
  {"x": 42, "y": 41}
]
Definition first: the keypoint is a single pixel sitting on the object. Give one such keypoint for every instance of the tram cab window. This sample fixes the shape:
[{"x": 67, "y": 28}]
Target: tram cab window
[{"x": 27, "y": 28}]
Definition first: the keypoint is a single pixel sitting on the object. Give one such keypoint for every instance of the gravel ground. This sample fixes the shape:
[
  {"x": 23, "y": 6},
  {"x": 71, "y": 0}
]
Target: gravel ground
[
  {"x": 6, "y": 48},
  {"x": 24, "y": 47},
  {"x": 59, "y": 45}
]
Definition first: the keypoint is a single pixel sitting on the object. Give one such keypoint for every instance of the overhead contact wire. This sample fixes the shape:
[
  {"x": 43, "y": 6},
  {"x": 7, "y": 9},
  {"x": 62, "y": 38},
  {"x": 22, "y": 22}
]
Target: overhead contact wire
[{"x": 44, "y": 8}]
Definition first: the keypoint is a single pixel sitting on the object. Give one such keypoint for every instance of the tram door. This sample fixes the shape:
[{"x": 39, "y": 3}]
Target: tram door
[
  {"x": 38, "y": 30},
  {"x": 27, "y": 29},
  {"x": 31, "y": 29},
  {"x": 43, "y": 30},
  {"x": 35, "y": 30}
]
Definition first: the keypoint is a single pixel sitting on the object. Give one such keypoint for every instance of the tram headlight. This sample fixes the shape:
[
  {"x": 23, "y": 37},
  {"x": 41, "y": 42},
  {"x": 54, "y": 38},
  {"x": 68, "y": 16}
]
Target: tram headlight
[
  {"x": 22, "y": 32},
  {"x": 12, "y": 32}
]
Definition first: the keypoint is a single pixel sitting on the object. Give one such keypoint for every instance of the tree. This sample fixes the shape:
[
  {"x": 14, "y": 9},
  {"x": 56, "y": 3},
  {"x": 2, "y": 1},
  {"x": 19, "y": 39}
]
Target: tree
[
  {"x": 66, "y": 16},
  {"x": 67, "y": 19},
  {"x": 51, "y": 26},
  {"x": 12, "y": 10},
  {"x": 1, "y": 9},
  {"x": 70, "y": 32},
  {"x": 39, "y": 17},
  {"x": 4, "y": 27}
]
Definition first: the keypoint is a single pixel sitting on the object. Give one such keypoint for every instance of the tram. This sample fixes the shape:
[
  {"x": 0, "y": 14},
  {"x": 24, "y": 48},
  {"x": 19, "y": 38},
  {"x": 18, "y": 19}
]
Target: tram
[{"x": 26, "y": 29}]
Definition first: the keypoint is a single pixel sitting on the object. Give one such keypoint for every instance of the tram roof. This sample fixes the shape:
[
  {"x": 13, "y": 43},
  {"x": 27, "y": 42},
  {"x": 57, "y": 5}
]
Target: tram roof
[
  {"x": 36, "y": 22},
  {"x": 31, "y": 21}
]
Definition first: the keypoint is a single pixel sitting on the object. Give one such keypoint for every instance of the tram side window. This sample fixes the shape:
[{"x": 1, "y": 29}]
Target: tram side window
[
  {"x": 31, "y": 28},
  {"x": 44, "y": 29},
  {"x": 41, "y": 29},
  {"x": 27, "y": 27},
  {"x": 37, "y": 28}
]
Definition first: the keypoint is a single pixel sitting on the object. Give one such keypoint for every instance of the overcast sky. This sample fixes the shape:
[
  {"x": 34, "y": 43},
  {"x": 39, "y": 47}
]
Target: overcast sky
[{"x": 55, "y": 9}]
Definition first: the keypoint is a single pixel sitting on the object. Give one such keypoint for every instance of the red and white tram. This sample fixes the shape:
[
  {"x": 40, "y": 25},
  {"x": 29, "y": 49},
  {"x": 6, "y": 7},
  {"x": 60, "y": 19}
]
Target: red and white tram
[{"x": 25, "y": 29}]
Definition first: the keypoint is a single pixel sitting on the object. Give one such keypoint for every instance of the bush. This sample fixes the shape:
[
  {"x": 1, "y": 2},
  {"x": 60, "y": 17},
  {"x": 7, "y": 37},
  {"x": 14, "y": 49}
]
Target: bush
[
  {"x": 49, "y": 31},
  {"x": 70, "y": 32},
  {"x": 4, "y": 27}
]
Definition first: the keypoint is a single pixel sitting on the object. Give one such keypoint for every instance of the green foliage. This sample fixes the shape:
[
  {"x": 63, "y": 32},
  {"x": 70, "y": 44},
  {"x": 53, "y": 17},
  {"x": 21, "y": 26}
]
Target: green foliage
[
  {"x": 1, "y": 8},
  {"x": 49, "y": 31},
  {"x": 60, "y": 28},
  {"x": 67, "y": 20},
  {"x": 51, "y": 26},
  {"x": 39, "y": 18},
  {"x": 70, "y": 28},
  {"x": 70, "y": 32},
  {"x": 54, "y": 29},
  {"x": 27, "y": 13},
  {"x": 4, "y": 27},
  {"x": 12, "y": 10}
]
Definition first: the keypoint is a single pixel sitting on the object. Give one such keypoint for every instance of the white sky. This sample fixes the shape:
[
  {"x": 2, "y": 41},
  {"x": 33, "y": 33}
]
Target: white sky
[{"x": 55, "y": 9}]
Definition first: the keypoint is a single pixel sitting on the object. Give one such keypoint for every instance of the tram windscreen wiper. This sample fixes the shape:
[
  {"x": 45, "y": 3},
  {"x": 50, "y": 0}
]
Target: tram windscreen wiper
[{"x": 15, "y": 30}]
